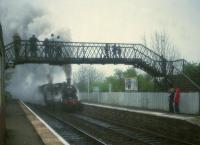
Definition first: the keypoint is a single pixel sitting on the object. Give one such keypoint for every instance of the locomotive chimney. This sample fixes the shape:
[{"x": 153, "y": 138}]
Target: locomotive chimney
[{"x": 69, "y": 81}]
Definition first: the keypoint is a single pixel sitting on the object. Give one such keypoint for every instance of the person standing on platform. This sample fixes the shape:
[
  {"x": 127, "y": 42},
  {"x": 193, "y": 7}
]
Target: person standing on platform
[
  {"x": 171, "y": 98},
  {"x": 177, "y": 100}
]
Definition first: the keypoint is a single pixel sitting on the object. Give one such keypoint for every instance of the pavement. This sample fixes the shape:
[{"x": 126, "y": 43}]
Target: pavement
[{"x": 19, "y": 130}]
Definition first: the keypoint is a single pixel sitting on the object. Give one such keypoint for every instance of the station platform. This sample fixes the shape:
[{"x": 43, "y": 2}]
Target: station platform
[
  {"x": 177, "y": 126},
  {"x": 194, "y": 119},
  {"x": 19, "y": 130},
  {"x": 23, "y": 127}
]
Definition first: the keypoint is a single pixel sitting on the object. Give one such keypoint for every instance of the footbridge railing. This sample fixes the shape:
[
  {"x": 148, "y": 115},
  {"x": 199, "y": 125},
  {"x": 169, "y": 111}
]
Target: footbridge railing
[{"x": 59, "y": 53}]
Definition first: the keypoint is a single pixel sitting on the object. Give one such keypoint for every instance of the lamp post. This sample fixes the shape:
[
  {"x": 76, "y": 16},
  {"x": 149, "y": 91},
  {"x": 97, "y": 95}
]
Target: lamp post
[
  {"x": 88, "y": 87},
  {"x": 110, "y": 88}
]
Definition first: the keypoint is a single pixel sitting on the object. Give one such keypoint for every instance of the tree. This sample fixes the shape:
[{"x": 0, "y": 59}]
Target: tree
[
  {"x": 130, "y": 72},
  {"x": 193, "y": 72},
  {"x": 117, "y": 80},
  {"x": 145, "y": 82},
  {"x": 95, "y": 78},
  {"x": 160, "y": 43},
  {"x": 85, "y": 75}
]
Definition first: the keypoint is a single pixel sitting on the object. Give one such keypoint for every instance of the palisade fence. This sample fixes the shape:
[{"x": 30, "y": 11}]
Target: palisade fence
[{"x": 158, "y": 101}]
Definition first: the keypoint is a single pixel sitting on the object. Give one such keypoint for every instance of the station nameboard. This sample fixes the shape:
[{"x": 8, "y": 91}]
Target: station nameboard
[{"x": 131, "y": 84}]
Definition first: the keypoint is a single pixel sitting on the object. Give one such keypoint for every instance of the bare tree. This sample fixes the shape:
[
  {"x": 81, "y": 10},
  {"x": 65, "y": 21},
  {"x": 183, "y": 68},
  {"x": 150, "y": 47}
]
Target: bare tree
[
  {"x": 160, "y": 42},
  {"x": 85, "y": 74}
]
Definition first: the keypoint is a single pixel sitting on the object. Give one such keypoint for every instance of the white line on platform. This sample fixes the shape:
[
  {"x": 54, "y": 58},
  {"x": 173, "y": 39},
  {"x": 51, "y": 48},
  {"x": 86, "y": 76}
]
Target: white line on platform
[
  {"x": 51, "y": 129},
  {"x": 161, "y": 114}
]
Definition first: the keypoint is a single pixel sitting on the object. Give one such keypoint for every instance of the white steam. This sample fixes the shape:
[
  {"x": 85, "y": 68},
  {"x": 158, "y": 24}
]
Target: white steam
[
  {"x": 68, "y": 70},
  {"x": 25, "y": 80},
  {"x": 26, "y": 18}
]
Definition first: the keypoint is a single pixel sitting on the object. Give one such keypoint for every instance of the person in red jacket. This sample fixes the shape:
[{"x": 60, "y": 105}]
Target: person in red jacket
[{"x": 177, "y": 100}]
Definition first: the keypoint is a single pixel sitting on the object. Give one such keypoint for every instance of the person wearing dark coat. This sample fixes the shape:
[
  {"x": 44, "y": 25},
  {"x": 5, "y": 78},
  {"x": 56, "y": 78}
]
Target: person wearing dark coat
[
  {"x": 33, "y": 46},
  {"x": 119, "y": 51},
  {"x": 114, "y": 50},
  {"x": 171, "y": 99},
  {"x": 46, "y": 47},
  {"x": 17, "y": 44},
  {"x": 58, "y": 48},
  {"x": 106, "y": 49}
]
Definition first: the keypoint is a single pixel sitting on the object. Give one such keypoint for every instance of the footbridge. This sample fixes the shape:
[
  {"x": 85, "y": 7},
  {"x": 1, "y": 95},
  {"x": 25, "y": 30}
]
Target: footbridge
[{"x": 59, "y": 53}]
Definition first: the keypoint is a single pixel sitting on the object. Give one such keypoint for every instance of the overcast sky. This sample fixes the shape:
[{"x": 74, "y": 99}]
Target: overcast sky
[
  {"x": 118, "y": 20},
  {"x": 129, "y": 20}
]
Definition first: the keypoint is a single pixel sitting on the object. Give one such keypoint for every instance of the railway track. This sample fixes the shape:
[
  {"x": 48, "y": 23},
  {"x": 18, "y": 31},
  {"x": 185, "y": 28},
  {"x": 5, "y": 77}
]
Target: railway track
[
  {"x": 73, "y": 135},
  {"x": 128, "y": 136},
  {"x": 113, "y": 134}
]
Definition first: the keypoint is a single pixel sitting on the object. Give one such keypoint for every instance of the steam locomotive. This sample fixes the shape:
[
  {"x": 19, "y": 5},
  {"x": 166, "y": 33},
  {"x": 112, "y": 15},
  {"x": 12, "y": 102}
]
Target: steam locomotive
[{"x": 60, "y": 95}]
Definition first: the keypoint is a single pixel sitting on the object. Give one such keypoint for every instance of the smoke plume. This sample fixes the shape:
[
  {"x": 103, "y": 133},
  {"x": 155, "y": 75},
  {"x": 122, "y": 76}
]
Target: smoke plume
[
  {"x": 68, "y": 72},
  {"x": 24, "y": 81},
  {"x": 26, "y": 78},
  {"x": 49, "y": 78},
  {"x": 26, "y": 18}
]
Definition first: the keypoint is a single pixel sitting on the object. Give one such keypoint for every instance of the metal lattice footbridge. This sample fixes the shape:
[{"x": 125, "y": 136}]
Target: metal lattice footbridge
[{"x": 59, "y": 53}]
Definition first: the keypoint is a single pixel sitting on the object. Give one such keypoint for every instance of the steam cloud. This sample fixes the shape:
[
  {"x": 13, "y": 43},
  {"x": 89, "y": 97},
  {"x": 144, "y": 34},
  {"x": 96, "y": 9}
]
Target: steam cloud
[
  {"x": 24, "y": 81},
  {"x": 26, "y": 18},
  {"x": 23, "y": 18}
]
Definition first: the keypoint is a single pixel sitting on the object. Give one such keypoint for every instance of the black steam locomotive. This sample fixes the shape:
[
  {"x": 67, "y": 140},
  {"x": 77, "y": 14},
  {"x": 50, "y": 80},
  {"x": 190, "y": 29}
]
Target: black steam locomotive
[{"x": 60, "y": 95}]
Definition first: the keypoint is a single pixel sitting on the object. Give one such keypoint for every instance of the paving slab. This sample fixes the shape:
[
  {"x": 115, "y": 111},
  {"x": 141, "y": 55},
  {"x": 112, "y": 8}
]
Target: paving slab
[{"x": 19, "y": 130}]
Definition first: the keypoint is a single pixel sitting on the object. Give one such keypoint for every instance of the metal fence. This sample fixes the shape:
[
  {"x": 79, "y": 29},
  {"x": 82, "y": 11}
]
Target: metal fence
[{"x": 189, "y": 102}]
